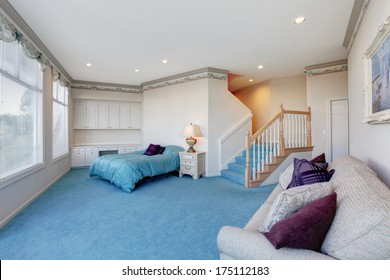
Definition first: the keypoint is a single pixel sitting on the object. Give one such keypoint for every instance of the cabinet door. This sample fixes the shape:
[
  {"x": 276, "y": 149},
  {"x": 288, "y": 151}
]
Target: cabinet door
[
  {"x": 102, "y": 116},
  {"x": 135, "y": 111},
  {"x": 85, "y": 115},
  {"x": 91, "y": 115},
  {"x": 90, "y": 155},
  {"x": 78, "y": 157},
  {"x": 108, "y": 115},
  {"x": 79, "y": 115},
  {"x": 124, "y": 116},
  {"x": 113, "y": 115}
]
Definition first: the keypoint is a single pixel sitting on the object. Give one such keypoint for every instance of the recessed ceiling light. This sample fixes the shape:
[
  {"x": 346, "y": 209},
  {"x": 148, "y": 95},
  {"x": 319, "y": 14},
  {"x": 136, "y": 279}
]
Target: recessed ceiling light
[
  {"x": 164, "y": 61},
  {"x": 299, "y": 20},
  {"x": 260, "y": 66},
  {"x": 250, "y": 80},
  {"x": 136, "y": 70},
  {"x": 88, "y": 64}
]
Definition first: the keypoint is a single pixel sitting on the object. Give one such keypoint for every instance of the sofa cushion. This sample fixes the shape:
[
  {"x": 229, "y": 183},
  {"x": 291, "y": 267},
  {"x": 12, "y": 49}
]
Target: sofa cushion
[
  {"x": 307, "y": 228},
  {"x": 307, "y": 172},
  {"x": 360, "y": 229},
  {"x": 290, "y": 201}
]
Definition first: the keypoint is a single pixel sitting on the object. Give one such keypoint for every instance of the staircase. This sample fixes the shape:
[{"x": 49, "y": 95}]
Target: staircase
[{"x": 288, "y": 132}]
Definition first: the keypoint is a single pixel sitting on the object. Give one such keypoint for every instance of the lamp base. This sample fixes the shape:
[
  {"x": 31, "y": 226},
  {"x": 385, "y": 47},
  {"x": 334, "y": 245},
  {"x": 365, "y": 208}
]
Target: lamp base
[{"x": 191, "y": 142}]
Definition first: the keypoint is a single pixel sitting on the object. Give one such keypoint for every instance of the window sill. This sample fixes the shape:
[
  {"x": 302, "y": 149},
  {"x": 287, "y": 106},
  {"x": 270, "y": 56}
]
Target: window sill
[{"x": 5, "y": 182}]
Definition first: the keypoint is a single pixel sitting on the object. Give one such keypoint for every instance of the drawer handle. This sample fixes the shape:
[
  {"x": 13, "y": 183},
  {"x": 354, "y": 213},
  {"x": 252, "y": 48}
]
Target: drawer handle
[{"x": 187, "y": 168}]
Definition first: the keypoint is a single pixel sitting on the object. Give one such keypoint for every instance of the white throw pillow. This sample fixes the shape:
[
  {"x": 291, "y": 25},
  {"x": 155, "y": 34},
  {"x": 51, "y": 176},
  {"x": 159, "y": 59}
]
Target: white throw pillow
[
  {"x": 286, "y": 176},
  {"x": 291, "y": 200}
]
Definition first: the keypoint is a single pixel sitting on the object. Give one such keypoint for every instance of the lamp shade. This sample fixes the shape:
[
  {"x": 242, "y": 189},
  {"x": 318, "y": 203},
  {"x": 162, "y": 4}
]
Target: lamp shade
[{"x": 191, "y": 130}]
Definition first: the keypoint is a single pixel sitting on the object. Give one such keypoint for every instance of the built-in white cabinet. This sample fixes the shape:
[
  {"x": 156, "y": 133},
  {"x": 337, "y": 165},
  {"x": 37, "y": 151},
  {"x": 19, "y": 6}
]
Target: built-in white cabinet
[
  {"x": 130, "y": 115},
  {"x": 78, "y": 157},
  {"x": 85, "y": 115},
  {"x": 107, "y": 115},
  {"x": 126, "y": 150},
  {"x": 85, "y": 155},
  {"x": 90, "y": 155}
]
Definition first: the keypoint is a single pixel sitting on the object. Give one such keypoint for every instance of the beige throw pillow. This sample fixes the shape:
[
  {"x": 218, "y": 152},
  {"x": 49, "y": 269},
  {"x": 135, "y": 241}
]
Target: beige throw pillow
[{"x": 291, "y": 200}]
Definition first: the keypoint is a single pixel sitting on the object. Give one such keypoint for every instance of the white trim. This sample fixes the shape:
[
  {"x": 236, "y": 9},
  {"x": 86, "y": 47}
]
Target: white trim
[
  {"x": 329, "y": 124},
  {"x": 31, "y": 199},
  {"x": 237, "y": 127},
  {"x": 6, "y": 181}
]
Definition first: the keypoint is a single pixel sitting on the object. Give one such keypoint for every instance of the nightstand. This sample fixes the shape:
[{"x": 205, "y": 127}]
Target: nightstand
[{"x": 192, "y": 164}]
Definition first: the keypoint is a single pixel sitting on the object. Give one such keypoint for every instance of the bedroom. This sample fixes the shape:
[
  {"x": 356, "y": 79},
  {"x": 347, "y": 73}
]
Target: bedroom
[{"x": 15, "y": 196}]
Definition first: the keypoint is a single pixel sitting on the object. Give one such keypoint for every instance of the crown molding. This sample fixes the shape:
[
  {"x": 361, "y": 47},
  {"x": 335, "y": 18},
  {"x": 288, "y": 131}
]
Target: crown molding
[
  {"x": 326, "y": 68},
  {"x": 204, "y": 73},
  {"x": 107, "y": 87},
  {"x": 358, "y": 11}
]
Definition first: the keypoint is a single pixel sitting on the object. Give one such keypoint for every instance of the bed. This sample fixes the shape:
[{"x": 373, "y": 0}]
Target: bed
[{"x": 126, "y": 170}]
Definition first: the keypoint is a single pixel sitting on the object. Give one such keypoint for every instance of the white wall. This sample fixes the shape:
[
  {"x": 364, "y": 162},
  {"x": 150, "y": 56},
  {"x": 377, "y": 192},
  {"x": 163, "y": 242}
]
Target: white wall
[
  {"x": 320, "y": 89},
  {"x": 205, "y": 102},
  {"x": 264, "y": 99},
  {"x": 167, "y": 110},
  {"x": 226, "y": 114},
  {"x": 370, "y": 143},
  {"x": 18, "y": 194}
]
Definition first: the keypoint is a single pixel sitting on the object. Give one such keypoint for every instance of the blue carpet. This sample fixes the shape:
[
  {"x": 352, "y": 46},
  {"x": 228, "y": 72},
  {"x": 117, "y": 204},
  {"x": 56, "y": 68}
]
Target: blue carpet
[{"x": 169, "y": 218}]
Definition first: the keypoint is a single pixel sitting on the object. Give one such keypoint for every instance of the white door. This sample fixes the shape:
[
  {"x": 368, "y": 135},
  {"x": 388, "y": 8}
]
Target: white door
[{"x": 339, "y": 131}]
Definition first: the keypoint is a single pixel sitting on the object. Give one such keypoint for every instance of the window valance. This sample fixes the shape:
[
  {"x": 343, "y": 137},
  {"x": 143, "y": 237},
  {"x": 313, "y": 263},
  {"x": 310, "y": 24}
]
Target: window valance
[{"x": 10, "y": 33}]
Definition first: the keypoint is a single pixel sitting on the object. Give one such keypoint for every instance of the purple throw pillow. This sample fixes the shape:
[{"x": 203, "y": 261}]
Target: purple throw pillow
[
  {"x": 307, "y": 228},
  {"x": 308, "y": 172},
  {"x": 152, "y": 150},
  {"x": 319, "y": 158}
]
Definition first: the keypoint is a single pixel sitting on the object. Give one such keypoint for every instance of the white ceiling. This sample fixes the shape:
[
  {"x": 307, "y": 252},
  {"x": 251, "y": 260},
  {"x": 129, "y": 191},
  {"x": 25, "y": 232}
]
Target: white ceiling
[{"x": 117, "y": 36}]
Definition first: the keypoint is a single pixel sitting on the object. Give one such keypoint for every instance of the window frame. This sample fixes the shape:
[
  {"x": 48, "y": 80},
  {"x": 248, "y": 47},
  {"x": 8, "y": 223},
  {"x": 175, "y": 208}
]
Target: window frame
[
  {"x": 39, "y": 90},
  {"x": 66, "y": 105}
]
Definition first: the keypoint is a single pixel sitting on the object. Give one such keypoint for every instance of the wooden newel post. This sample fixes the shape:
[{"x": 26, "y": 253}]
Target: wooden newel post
[
  {"x": 281, "y": 130},
  {"x": 247, "y": 159},
  {"x": 308, "y": 125}
]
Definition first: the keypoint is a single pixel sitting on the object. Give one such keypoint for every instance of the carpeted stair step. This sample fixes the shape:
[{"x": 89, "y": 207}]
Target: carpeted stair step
[
  {"x": 242, "y": 160},
  {"x": 233, "y": 176},
  {"x": 236, "y": 167}
]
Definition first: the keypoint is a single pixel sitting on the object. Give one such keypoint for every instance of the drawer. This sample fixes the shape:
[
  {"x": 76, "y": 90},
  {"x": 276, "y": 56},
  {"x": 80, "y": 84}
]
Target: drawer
[
  {"x": 186, "y": 156},
  {"x": 187, "y": 169},
  {"x": 188, "y": 162}
]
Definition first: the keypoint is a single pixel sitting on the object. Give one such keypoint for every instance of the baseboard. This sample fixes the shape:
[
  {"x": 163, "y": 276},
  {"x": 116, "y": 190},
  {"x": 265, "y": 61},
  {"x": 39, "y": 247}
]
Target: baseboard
[{"x": 26, "y": 203}]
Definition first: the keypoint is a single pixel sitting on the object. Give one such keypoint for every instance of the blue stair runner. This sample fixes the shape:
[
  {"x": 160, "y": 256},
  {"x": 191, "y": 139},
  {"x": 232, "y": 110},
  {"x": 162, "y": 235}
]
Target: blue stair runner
[{"x": 236, "y": 170}]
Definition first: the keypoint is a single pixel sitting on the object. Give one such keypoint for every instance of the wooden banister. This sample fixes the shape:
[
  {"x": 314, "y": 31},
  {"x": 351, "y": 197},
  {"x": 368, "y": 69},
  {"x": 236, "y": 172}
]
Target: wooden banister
[{"x": 269, "y": 142}]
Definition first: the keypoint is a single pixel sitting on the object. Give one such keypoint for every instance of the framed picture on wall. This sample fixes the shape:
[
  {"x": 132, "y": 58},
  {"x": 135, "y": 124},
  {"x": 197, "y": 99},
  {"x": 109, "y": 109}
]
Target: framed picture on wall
[{"x": 377, "y": 78}]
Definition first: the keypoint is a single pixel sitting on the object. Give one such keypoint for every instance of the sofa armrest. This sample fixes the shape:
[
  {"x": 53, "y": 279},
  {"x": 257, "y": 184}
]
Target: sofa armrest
[{"x": 241, "y": 244}]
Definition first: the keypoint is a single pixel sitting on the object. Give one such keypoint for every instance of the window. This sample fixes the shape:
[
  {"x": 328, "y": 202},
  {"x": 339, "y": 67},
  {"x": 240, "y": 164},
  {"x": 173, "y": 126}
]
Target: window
[
  {"x": 60, "y": 120},
  {"x": 21, "y": 125}
]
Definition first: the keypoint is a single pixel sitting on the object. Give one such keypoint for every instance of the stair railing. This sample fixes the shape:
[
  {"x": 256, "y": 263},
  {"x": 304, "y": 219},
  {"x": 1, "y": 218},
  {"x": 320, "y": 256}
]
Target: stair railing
[{"x": 288, "y": 129}]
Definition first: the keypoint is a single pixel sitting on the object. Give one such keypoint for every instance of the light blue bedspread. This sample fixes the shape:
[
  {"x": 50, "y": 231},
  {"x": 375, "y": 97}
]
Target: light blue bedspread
[{"x": 125, "y": 170}]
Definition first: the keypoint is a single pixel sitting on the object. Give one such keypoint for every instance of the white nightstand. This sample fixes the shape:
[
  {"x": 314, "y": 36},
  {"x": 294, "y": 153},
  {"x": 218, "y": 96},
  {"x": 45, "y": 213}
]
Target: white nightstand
[{"x": 192, "y": 164}]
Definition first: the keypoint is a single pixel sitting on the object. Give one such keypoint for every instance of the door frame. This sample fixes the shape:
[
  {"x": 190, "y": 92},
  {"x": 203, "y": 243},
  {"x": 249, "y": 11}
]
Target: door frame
[{"x": 329, "y": 125}]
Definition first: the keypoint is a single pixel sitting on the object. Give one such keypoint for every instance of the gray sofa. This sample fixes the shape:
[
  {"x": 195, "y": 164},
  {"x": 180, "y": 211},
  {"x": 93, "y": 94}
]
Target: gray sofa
[{"x": 360, "y": 228}]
